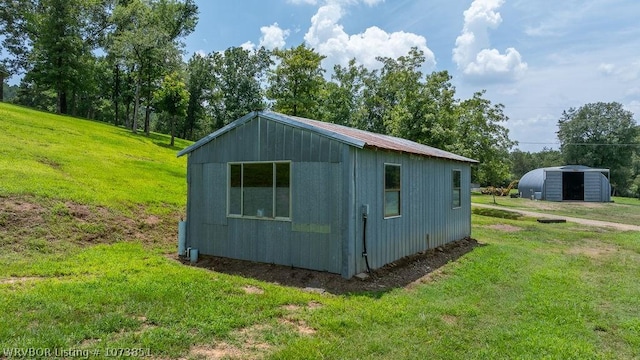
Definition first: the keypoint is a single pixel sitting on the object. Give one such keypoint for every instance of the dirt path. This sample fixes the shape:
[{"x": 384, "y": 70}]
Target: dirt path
[{"x": 589, "y": 222}]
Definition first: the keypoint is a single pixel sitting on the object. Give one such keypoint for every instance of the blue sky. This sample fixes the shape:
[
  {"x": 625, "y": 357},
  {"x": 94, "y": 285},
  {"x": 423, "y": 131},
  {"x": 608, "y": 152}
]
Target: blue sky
[{"x": 537, "y": 58}]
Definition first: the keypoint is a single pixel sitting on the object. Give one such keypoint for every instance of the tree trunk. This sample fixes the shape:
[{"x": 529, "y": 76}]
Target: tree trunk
[
  {"x": 147, "y": 113},
  {"x": 127, "y": 115},
  {"x": 62, "y": 102},
  {"x": 136, "y": 105},
  {"x": 116, "y": 94},
  {"x": 173, "y": 129},
  {"x": 147, "y": 116},
  {"x": 74, "y": 107}
]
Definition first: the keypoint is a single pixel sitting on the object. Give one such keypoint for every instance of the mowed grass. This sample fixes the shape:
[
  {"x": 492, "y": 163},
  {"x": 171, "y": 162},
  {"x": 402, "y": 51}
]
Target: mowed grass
[
  {"x": 88, "y": 162},
  {"x": 561, "y": 291},
  {"x": 621, "y": 210}
]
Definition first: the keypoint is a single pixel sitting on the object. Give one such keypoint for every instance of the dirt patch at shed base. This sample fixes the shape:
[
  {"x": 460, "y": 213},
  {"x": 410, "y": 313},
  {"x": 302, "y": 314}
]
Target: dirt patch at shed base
[{"x": 397, "y": 274}]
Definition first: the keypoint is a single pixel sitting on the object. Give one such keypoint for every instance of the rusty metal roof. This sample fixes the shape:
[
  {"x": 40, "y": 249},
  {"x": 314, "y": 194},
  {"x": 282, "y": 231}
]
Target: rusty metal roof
[
  {"x": 386, "y": 142},
  {"x": 355, "y": 137}
]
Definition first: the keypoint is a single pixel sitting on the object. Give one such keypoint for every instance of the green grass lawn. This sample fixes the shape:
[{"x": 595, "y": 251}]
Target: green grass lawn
[
  {"x": 90, "y": 272},
  {"x": 621, "y": 210},
  {"x": 60, "y": 157}
]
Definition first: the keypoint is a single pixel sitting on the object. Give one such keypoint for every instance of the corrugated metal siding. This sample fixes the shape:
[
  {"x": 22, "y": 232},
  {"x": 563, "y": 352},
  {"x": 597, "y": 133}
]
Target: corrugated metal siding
[
  {"x": 312, "y": 239},
  {"x": 330, "y": 182},
  {"x": 531, "y": 182},
  {"x": 427, "y": 219},
  {"x": 596, "y": 187},
  {"x": 553, "y": 186},
  {"x": 605, "y": 189},
  {"x": 592, "y": 186}
]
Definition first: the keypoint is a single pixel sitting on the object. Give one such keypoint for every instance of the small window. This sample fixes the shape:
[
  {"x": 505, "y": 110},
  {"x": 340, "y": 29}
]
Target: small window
[
  {"x": 235, "y": 189},
  {"x": 455, "y": 185},
  {"x": 391, "y": 190},
  {"x": 259, "y": 190},
  {"x": 283, "y": 190}
]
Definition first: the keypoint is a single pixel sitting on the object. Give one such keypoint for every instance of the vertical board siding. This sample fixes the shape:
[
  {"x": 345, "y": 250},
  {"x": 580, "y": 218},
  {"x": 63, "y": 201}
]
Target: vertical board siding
[
  {"x": 330, "y": 181},
  {"x": 553, "y": 186},
  {"x": 605, "y": 189},
  {"x": 427, "y": 218},
  {"x": 593, "y": 186},
  {"x": 312, "y": 239}
]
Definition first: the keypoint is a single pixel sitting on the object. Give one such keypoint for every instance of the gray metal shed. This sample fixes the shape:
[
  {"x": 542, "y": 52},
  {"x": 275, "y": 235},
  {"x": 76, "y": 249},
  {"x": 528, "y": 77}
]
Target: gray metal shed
[
  {"x": 292, "y": 191},
  {"x": 566, "y": 183}
]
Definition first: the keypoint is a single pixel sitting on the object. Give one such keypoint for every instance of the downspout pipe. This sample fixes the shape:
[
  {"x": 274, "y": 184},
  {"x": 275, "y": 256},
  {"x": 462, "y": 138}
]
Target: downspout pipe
[{"x": 365, "y": 213}]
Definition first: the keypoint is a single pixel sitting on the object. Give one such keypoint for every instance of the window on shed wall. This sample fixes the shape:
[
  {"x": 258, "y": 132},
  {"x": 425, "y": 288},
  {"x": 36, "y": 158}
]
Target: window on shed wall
[
  {"x": 456, "y": 192},
  {"x": 260, "y": 190},
  {"x": 391, "y": 190}
]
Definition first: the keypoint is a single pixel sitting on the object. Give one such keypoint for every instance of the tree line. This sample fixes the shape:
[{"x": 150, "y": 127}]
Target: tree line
[
  {"x": 599, "y": 135},
  {"x": 120, "y": 61}
]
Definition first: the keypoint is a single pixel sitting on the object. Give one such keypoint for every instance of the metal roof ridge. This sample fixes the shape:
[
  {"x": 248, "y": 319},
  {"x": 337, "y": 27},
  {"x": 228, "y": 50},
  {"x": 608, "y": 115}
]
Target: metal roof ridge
[{"x": 351, "y": 136}]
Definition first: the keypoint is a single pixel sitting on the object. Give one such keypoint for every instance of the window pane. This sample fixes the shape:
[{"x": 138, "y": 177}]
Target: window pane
[
  {"x": 455, "y": 185},
  {"x": 391, "y": 203},
  {"x": 391, "y": 177},
  {"x": 282, "y": 189},
  {"x": 391, "y": 190},
  {"x": 258, "y": 190},
  {"x": 456, "y": 198},
  {"x": 235, "y": 182},
  {"x": 456, "y": 178}
]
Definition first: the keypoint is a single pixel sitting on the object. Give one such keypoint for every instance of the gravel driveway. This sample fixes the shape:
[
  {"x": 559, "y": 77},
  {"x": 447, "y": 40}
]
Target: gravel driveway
[{"x": 624, "y": 227}]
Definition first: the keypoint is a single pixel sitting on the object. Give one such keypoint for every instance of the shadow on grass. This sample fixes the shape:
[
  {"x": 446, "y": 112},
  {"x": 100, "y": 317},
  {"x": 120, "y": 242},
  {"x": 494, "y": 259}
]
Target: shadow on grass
[
  {"x": 168, "y": 146},
  {"x": 398, "y": 274},
  {"x": 502, "y": 214}
]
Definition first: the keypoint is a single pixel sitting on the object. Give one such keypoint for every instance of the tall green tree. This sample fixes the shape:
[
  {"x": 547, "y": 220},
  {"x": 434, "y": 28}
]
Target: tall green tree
[
  {"x": 296, "y": 84},
  {"x": 523, "y": 162},
  {"x": 16, "y": 27},
  {"x": 344, "y": 94},
  {"x": 236, "y": 85},
  {"x": 52, "y": 40},
  {"x": 399, "y": 92},
  {"x": 601, "y": 135},
  {"x": 172, "y": 98},
  {"x": 481, "y": 136},
  {"x": 400, "y": 101},
  {"x": 199, "y": 84},
  {"x": 147, "y": 37}
]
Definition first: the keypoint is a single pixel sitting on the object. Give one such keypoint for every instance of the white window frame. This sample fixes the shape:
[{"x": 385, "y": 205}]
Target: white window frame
[
  {"x": 384, "y": 192},
  {"x": 453, "y": 188},
  {"x": 273, "y": 199}
]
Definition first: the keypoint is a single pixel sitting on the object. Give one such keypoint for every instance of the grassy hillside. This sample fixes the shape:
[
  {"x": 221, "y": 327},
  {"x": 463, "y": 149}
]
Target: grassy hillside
[
  {"x": 88, "y": 162},
  {"x": 87, "y": 225}
]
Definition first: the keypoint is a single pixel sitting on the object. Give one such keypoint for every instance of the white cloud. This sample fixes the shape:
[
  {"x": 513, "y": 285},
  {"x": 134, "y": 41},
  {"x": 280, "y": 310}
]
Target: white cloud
[
  {"x": 372, "y": 2},
  {"x": 328, "y": 37},
  {"x": 629, "y": 72},
  {"x": 472, "y": 53},
  {"x": 248, "y": 45},
  {"x": 343, "y": 2},
  {"x": 606, "y": 69},
  {"x": 273, "y": 36},
  {"x": 309, "y": 2}
]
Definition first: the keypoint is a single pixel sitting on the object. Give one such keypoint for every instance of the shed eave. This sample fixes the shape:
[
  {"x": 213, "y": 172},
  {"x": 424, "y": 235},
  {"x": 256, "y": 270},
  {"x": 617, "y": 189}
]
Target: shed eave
[
  {"x": 360, "y": 139},
  {"x": 448, "y": 156},
  {"x": 333, "y": 135},
  {"x": 205, "y": 140},
  {"x": 273, "y": 117}
]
